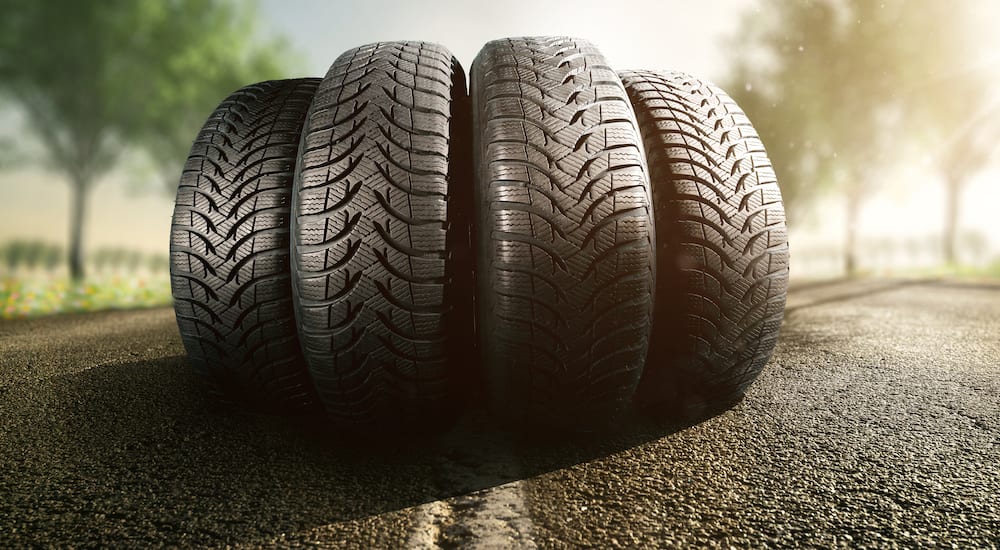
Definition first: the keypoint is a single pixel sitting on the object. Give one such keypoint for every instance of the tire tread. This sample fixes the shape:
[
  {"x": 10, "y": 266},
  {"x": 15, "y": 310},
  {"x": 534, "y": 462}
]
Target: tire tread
[
  {"x": 372, "y": 258},
  {"x": 229, "y": 248},
  {"x": 566, "y": 242},
  {"x": 723, "y": 257}
]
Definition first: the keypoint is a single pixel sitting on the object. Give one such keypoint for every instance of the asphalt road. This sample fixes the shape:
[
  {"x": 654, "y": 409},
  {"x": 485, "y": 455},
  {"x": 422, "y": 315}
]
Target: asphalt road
[{"x": 876, "y": 423}]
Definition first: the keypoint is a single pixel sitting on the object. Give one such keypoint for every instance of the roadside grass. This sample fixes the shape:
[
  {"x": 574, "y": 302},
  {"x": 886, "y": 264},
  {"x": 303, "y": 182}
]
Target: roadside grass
[
  {"x": 48, "y": 294},
  {"x": 985, "y": 272},
  {"x": 37, "y": 294}
]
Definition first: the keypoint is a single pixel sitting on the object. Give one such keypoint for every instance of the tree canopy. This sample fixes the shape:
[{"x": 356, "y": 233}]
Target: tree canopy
[{"x": 97, "y": 79}]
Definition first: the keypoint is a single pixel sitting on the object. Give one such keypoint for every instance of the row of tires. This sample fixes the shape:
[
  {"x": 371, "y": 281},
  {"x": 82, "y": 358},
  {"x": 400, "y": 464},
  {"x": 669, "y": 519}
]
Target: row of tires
[{"x": 385, "y": 246}]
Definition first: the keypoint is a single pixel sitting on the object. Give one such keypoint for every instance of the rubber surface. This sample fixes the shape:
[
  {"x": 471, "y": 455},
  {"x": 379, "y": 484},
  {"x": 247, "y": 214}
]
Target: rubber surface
[
  {"x": 374, "y": 252},
  {"x": 565, "y": 233},
  {"x": 229, "y": 267},
  {"x": 722, "y": 244}
]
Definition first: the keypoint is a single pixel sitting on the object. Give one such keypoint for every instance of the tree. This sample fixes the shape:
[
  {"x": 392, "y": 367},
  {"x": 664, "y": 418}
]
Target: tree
[
  {"x": 779, "y": 85},
  {"x": 970, "y": 148},
  {"x": 96, "y": 79},
  {"x": 15, "y": 253},
  {"x": 52, "y": 257},
  {"x": 827, "y": 83},
  {"x": 951, "y": 102}
]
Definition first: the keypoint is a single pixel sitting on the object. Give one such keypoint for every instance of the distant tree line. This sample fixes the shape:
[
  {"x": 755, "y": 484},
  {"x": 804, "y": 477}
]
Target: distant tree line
[{"x": 19, "y": 256}]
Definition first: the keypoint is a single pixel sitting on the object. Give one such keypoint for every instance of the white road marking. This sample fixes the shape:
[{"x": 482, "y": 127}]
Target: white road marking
[
  {"x": 490, "y": 509},
  {"x": 427, "y": 521}
]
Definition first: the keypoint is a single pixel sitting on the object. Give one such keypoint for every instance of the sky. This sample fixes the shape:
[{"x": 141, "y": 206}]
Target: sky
[{"x": 647, "y": 34}]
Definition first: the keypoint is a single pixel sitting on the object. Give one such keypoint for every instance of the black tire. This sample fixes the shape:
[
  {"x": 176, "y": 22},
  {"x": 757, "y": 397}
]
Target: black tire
[
  {"x": 723, "y": 250},
  {"x": 229, "y": 269},
  {"x": 565, "y": 232},
  {"x": 378, "y": 226}
]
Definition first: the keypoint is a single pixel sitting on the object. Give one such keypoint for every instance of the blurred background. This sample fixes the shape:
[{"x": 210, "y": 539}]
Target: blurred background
[{"x": 882, "y": 118}]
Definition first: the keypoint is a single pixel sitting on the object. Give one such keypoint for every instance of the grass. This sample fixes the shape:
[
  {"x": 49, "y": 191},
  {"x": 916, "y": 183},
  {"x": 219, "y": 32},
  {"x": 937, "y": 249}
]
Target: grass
[
  {"x": 962, "y": 272},
  {"x": 37, "y": 295},
  {"x": 46, "y": 295}
]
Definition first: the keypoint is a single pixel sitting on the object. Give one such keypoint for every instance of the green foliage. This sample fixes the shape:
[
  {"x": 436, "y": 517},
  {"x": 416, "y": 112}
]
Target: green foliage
[
  {"x": 52, "y": 256},
  {"x": 123, "y": 260},
  {"x": 27, "y": 254},
  {"x": 157, "y": 263},
  {"x": 101, "y": 77},
  {"x": 45, "y": 296},
  {"x": 14, "y": 253},
  {"x": 94, "y": 76}
]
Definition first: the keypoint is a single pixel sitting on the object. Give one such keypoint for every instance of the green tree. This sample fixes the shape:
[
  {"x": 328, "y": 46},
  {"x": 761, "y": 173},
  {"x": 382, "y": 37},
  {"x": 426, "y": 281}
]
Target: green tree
[
  {"x": 17, "y": 253},
  {"x": 133, "y": 260},
  {"x": 838, "y": 89},
  {"x": 34, "y": 253},
  {"x": 52, "y": 257},
  {"x": 101, "y": 259},
  {"x": 157, "y": 263},
  {"x": 118, "y": 259},
  {"x": 97, "y": 79}
]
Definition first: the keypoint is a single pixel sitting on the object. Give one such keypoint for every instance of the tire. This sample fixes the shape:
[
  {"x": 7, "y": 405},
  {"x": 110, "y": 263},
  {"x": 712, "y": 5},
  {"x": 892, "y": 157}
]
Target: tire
[
  {"x": 723, "y": 250},
  {"x": 229, "y": 239},
  {"x": 565, "y": 251},
  {"x": 378, "y": 264}
]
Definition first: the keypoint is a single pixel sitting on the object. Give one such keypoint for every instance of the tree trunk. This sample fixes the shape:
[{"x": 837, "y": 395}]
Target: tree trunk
[
  {"x": 78, "y": 210},
  {"x": 851, "y": 235},
  {"x": 952, "y": 194}
]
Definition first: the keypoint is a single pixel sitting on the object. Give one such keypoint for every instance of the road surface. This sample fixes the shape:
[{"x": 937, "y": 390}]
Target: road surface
[{"x": 875, "y": 423}]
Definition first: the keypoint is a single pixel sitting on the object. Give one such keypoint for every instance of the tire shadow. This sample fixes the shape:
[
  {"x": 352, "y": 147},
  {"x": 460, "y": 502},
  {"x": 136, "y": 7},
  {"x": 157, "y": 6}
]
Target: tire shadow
[{"x": 141, "y": 452}]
